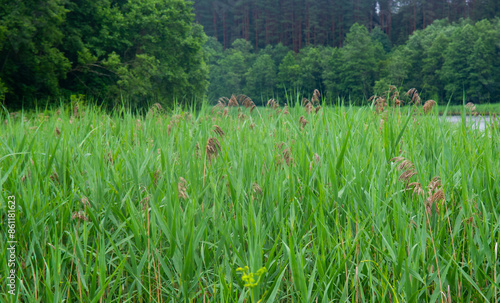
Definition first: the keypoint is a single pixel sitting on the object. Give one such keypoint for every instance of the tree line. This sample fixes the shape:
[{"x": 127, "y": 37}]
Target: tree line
[
  {"x": 108, "y": 49},
  {"x": 300, "y": 23},
  {"x": 151, "y": 50},
  {"x": 444, "y": 61}
]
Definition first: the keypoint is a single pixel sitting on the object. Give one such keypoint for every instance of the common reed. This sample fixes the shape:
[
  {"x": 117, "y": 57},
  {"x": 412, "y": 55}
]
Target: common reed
[
  {"x": 212, "y": 148},
  {"x": 159, "y": 223},
  {"x": 428, "y": 105},
  {"x": 218, "y": 131},
  {"x": 272, "y": 104},
  {"x": 315, "y": 97},
  {"x": 257, "y": 188},
  {"x": 181, "y": 188},
  {"x": 414, "y": 96},
  {"x": 303, "y": 121},
  {"x": 233, "y": 101}
]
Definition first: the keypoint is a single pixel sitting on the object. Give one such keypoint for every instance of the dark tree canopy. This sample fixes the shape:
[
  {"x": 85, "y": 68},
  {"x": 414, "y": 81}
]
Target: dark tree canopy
[
  {"x": 444, "y": 61},
  {"x": 141, "y": 50},
  {"x": 299, "y": 23}
]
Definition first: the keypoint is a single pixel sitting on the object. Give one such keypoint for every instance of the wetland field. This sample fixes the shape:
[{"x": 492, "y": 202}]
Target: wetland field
[{"x": 237, "y": 203}]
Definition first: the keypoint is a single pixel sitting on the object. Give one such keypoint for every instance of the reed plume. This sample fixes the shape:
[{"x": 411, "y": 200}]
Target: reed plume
[
  {"x": 417, "y": 188},
  {"x": 85, "y": 202},
  {"x": 272, "y": 104},
  {"x": 181, "y": 188},
  {"x": 428, "y": 105},
  {"x": 380, "y": 104},
  {"x": 154, "y": 110},
  {"x": 471, "y": 108},
  {"x": 212, "y": 148},
  {"x": 257, "y": 189},
  {"x": 287, "y": 156},
  {"x": 315, "y": 97},
  {"x": 197, "y": 150},
  {"x": 407, "y": 168},
  {"x": 309, "y": 108},
  {"x": 303, "y": 121},
  {"x": 413, "y": 94},
  {"x": 80, "y": 215},
  {"x": 233, "y": 101},
  {"x": 285, "y": 110},
  {"x": 246, "y": 101},
  {"x": 218, "y": 131}
]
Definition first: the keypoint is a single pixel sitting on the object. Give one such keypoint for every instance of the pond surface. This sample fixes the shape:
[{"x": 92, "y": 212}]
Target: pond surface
[{"x": 478, "y": 122}]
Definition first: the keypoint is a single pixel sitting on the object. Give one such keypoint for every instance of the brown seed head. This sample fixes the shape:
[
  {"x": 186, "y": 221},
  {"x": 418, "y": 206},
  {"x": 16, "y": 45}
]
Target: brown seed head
[
  {"x": 309, "y": 108},
  {"x": 285, "y": 110},
  {"x": 246, "y": 101},
  {"x": 428, "y": 105},
  {"x": 405, "y": 165},
  {"x": 287, "y": 156},
  {"x": 233, "y": 101},
  {"x": 437, "y": 196},
  {"x": 303, "y": 121},
  {"x": 219, "y": 131},
  {"x": 405, "y": 176},
  {"x": 315, "y": 97},
  {"x": 272, "y": 104},
  {"x": 417, "y": 188},
  {"x": 181, "y": 187},
  {"x": 80, "y": 215},
  {"x": 257, "y": 189},
  {"x": 212, "y": 148},
  {"x": 85, "y": 202},
  {"x": 197, "y": 150}
]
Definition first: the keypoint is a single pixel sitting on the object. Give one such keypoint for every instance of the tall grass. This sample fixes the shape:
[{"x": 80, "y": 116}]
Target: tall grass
[{"x": 124, "y": 208}]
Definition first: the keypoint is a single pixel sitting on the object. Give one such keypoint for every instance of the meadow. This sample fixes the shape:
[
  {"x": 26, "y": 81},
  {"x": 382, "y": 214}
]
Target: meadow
[{"x": 235, "y": 203}]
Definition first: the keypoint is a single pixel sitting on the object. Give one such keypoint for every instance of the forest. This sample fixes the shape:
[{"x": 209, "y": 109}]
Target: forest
[
  {"x": 178, "y": 51},
  {"x": 443, "y": 61},
  {"x": 249, "y": 151}
]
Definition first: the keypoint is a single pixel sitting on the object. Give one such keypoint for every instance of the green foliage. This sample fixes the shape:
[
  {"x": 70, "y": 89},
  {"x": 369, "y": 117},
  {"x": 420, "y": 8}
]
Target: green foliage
[
  {"x": 140, "y": 50},
  {"x": 446, "y": 61},
  {"x": 289, "y": 71},
  {"x": 359, "y": 62},
  {"x": 118, "y": 207},
  {"x": 261, "y": 77},
  {"x": 441, "y": 62},
  {"x": 33, "y": 62}
]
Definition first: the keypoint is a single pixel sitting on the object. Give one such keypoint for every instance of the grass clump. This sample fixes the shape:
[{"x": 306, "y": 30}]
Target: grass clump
[{"x": 166, "y": 207}]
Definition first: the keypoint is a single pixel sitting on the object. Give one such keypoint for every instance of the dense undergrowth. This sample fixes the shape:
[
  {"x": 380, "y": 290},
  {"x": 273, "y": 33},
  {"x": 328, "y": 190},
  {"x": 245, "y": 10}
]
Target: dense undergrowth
[{"x": 323, "y": 204}]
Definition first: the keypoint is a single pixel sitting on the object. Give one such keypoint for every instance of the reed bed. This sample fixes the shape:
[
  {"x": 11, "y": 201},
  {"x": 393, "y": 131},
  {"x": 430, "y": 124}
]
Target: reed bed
[{"x": 237, "y": 203}]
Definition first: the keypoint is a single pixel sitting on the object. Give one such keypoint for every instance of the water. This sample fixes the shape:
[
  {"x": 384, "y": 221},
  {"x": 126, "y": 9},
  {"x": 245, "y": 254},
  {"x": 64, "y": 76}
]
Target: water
[{"x": 478, "y": 122}]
